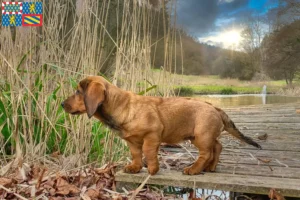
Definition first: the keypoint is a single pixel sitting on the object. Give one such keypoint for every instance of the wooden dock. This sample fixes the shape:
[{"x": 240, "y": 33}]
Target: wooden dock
[{"x": 242, "y": 168}]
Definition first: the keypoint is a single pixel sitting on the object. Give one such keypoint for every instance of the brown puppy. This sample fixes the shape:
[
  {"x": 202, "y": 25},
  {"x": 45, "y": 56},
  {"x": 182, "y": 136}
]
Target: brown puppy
[{"x": 144, "y": 122}]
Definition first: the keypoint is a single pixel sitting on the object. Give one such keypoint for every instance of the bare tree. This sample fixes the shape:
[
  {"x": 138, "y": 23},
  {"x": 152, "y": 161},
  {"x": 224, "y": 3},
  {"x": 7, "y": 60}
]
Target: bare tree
[{"x": 283, "y": 52}]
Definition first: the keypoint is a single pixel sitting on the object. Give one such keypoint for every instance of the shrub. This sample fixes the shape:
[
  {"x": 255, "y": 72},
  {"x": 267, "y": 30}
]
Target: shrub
[
  {"x": 184, "y": 91},
  {"x": 228, "y": 91}
]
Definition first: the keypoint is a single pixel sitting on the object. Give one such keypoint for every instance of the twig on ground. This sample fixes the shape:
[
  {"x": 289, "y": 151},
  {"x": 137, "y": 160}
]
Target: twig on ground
[
  {"x": 17, "y": 195},
  {"x": 188, "y": 152},
  {"x": 139, "y": 188}
]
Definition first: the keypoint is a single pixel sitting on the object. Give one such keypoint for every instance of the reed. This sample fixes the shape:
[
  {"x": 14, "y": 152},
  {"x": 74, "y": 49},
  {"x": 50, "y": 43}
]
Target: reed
[{"x": 39, "y": 67}]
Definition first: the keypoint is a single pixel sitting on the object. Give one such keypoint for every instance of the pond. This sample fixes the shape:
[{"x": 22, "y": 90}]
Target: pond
[{"x": 247, "y": 99}]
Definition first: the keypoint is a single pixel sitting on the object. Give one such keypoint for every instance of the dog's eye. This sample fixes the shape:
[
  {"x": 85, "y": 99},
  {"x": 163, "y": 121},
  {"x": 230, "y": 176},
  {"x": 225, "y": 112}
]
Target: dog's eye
[{"x": 77, "y": 92}]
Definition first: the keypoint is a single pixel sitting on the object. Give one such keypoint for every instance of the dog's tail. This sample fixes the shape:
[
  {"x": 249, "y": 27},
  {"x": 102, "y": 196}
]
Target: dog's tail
[{"x": 230, "y": 127}]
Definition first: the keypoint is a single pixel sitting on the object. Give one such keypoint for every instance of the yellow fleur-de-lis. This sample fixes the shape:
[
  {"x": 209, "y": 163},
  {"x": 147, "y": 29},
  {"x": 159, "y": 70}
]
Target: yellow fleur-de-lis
[
  {"x": 12, "y": 20},
  {"x": 32, "y": 8}
]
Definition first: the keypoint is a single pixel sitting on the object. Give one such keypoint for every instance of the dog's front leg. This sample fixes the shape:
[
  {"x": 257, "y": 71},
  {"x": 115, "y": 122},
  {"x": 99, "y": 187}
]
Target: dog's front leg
[
  {"x": 150, "y": 150},
  {"x": 136, "y": 153}
]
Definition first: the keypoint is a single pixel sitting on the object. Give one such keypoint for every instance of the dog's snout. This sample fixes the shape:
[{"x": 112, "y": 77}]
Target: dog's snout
[{"x": 62, "y": 104}]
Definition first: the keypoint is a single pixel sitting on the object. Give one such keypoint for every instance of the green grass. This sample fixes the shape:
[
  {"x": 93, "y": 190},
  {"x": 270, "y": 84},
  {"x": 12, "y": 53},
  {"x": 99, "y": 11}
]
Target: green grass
[
  {"x": 184, "y": 91},
  {"x": 217, "y": 89},
  {"x": 55, "y": 133},
  {"x": 228, "y": 91},
  {"x": 216, "y": 85}
]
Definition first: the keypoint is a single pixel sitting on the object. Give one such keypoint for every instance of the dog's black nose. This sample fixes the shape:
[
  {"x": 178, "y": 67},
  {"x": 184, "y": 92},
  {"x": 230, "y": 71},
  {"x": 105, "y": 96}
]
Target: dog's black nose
[{"x": 62, "y": 104}]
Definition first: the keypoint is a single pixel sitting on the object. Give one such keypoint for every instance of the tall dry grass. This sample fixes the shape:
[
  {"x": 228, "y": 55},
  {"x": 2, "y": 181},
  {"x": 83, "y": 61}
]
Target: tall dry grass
[{"x": 39, "y": 67}]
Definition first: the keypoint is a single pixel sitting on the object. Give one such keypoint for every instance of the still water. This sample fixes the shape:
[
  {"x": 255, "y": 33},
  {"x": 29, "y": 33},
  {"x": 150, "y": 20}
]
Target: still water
[{"x": 247, "y": 99}]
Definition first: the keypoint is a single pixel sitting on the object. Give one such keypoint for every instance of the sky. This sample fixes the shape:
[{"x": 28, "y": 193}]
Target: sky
[{"x": 219, "y": 22}]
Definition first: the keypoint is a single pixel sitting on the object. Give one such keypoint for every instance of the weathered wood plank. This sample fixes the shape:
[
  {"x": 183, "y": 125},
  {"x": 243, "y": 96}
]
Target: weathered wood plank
[
  {"x": 266, "y": 145},
  {"x": 217, "y": 181},
  {"x": 243, "y": 168},
  {"x": 245, "y": 152},
  {"x": 261, "y": 111},
  {"x": 255, "y": 126},
  {"x": 273, "y": 132},
  {"x": 264, "y": 119},
  {"x": 250, "y": 157},
  {"x": 263, "y": 114},
  {"x": 259, "y": 170}
]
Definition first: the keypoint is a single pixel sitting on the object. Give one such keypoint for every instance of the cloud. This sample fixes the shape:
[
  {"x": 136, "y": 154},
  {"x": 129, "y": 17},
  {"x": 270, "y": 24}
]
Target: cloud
[
  {"x": 200, "y": 17},
  {"x": 225, "y": 1},
  {"x": 226, "y": 39},
  {"x": 196, "y": 16}
]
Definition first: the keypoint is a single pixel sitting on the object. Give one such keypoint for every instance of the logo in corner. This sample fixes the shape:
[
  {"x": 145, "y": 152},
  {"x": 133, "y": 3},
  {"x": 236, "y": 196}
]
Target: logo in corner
[
  {"x": 32, "y": 14},
  {"x": 22, "y": 13},
  {"x": 12, "y": 13}
]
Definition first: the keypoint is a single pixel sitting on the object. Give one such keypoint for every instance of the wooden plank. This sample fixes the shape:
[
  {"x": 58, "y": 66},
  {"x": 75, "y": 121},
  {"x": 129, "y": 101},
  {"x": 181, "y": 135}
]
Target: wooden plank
[
  {"x": 256, "y": 111},
  {"x": 259, "y": 170},
  {"x": 273, "y": 132},
  {"x": 185, "y": 160},
  {"x": 278, "y": 159},
  {"x": 259, "y": 119},
  {"x": 263, "y": 114},
  {"x": 281, "y": 126},
  {"x": 217, "y": 181},
  {"x": 245, "y": 152},
  {"x": 239, "y": 169},
  {"x": 293, "y": 104},
  {"x": 274, "y": 162},
  {"x": 266, "y": 106},
  {"x": 278, "y": 146}
]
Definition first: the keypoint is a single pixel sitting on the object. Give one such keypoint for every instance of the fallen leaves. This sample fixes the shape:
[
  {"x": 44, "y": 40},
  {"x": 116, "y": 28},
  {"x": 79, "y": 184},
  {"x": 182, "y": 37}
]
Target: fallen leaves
[
  {"x": 35, "y": 180},
  {"x": 7, "y": 182}
]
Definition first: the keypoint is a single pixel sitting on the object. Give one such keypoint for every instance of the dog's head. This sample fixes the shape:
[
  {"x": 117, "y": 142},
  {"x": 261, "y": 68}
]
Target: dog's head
[{"x": 90, "y": 94}]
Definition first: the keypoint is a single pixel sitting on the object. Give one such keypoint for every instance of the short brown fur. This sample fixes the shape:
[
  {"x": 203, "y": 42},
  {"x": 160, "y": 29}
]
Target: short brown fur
[{"x": 145, "y": 122}]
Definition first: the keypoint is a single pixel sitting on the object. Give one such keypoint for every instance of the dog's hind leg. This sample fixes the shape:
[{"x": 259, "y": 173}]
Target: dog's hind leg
[
  {"x": 205, "y": 153},
  {"x": 216, "y": 156},
  {"x": 136, "y": 153}
]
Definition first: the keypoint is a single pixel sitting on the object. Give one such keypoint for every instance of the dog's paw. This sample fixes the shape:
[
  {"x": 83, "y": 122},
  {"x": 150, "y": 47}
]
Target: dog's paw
[
  {"x": 132, "y": 169},
  {"x": 191, "y": 171},
  {"x": 153, "y": 169},
  {"x": 210, "y": 168}
]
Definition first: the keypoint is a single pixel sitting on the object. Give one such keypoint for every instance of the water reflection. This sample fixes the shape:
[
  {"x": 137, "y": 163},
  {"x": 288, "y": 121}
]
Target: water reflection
[
  {"x": 240, "y": 100},
  {"x": 264, "y": 98}
]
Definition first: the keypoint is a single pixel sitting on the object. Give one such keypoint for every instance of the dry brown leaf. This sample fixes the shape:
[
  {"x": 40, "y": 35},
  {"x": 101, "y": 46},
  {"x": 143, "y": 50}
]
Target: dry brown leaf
[
  {"x": 36, "y": 170},
  {"x": 117, "y": 197},
  {"x": 106, "y": 175},
  {"x": 264, "y": 160},
  {"x": 52, "y": 191},
  {"x": 88, "y": 181},
  {"x": 101, "y": 171},
  {"x": 56, "y": 198},
  {"x": 7, "y": 182},
  {"x": 64, "y": 188},
  {"x": 85, "y": 197},
  {"x": 92, "y": 193},
  {"x": 55, "y": 154}
]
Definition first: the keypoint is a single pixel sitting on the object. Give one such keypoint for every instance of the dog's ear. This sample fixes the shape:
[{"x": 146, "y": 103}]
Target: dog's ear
[{"x": 94, "y": 95}]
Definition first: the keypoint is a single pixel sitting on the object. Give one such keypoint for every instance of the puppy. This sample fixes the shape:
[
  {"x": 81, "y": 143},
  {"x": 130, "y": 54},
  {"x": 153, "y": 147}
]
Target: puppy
[{"x": 145, "y": 122}]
